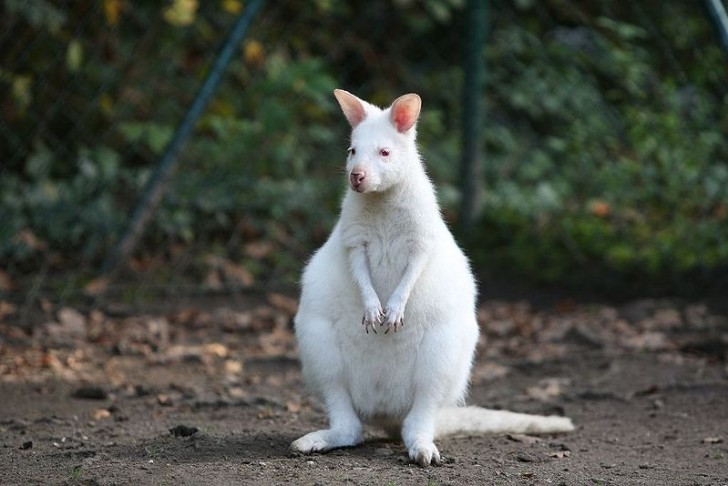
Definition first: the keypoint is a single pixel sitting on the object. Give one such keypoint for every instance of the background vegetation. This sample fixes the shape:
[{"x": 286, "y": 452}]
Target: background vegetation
[{"x": 606, "y": 156}]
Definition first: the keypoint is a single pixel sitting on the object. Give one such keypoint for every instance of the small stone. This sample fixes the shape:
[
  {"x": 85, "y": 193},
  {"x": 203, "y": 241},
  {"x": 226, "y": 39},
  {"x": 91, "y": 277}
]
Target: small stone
[
  {"x": 524, "y": 439},
  {"x": 164, "y": 400},
  {"x": 90, "y": 393},
  {"x": 525, "y": 457},
  {"x": 183, "y": 431}
]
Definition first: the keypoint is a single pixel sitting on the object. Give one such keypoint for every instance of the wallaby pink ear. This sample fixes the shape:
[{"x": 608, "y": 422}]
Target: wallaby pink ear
[
  {"x": 404, "y": 111},
  {"x": 352, "y": 107}
]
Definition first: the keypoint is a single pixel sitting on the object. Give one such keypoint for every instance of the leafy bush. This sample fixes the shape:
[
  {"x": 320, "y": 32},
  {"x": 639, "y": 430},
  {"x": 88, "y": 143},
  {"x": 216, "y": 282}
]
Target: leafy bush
[
  {"x": 605, "y": 134},
  {"x": 602, "y": 163}
]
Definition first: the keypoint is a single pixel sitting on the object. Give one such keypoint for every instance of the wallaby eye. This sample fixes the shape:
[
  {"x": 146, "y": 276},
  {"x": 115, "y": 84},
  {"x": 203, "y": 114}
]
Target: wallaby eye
[
  {"x": 351, "y": 150},
  {"x": 384, "y": 152}
]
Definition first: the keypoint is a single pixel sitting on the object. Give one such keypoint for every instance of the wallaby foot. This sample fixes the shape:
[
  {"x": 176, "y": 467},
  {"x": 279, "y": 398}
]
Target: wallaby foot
[
  {"x": 326, "y": 440},
  {"x": 424, "y": 452}
]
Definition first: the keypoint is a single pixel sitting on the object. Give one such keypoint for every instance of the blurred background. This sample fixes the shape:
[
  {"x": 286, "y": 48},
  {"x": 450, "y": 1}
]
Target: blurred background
[{"x": 597, "y": 129}]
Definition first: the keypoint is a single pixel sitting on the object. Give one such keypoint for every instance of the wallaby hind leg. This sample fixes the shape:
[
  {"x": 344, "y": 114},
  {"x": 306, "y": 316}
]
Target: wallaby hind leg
[
  {"x": 345, "y": 429},
  {"x": 418, "y": 433},
  {"x": 325, "y": 369}
]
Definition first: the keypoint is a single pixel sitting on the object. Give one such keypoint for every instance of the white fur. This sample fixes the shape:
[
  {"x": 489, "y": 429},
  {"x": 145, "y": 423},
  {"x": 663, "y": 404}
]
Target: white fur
[{"x": 391, "y": 264}]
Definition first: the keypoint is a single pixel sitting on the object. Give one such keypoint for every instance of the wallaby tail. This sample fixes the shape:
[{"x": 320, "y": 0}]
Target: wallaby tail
[{"x": 469, "y": 421}]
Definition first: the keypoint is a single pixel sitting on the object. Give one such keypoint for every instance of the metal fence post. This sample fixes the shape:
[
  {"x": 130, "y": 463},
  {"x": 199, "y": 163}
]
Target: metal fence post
[
  {"x": 147, "y": 203},
  {"x": 472, "y": 116},
  {"x": 720, "y": 18}
]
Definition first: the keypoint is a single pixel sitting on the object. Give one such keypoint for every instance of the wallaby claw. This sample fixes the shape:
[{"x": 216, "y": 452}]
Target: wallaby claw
[
  {"x": 393, "y": 317},
  {"x": 370, "y": 319},
  {"x": 398, "y": 323}
]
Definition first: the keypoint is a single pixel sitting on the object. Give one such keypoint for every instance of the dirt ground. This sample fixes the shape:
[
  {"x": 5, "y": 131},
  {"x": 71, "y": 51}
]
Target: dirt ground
[{"x": 209, "y": 392}]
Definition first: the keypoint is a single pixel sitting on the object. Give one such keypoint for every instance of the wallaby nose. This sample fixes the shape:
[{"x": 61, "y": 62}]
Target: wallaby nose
[{"x": 356, "y": 178}]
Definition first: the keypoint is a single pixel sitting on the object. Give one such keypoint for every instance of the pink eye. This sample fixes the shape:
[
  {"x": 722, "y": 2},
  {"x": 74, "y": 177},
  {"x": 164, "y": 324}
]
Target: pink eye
[{"x": 384, "y": 152}]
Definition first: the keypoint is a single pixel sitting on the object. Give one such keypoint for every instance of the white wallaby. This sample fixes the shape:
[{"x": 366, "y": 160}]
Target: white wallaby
[{"x": 391, "y": 264}]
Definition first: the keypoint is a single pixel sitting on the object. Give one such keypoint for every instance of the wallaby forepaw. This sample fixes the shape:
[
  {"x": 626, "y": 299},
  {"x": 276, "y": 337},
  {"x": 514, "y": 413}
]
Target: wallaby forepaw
[
  {"x": 393, "y": 318},
  {"x": 372, "y": 317},
  {"x": 424, "y": 454}
]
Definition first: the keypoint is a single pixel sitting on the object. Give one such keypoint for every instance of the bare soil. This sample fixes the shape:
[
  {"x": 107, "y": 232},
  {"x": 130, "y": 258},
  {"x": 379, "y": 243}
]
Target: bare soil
[{"x": 209, "y": 392}]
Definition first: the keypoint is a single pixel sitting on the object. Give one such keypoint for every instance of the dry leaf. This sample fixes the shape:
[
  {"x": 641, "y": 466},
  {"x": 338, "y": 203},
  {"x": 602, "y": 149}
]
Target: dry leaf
[
  {"x": 289, "y": 305},
  {"x": 237, "y": 274},
  {"x": 6, "y": 284},
  {"x": 96, "y": 286},
  {"x": 237, "y": 392},
  {"x": 233, "y": 367},
  {"x": 650, "y": 341},
  {"x": 215, "y": 349},
  {"x": 232, "y": 272},
  {"x": 28, "y": 238},
  {"x": 547, "y": 389},
  {"x": 213, "y": 280},
  {"x": 489, "y": 371},
  {"x": 559, "y": 454},
  {"x": 6, "y": 309},
  {"x": 259, "y": 249},
  {"x": 599, "y": 208},
  {"x": 164, "y": 400},
  {"x": 101, "y": 414},
  {"x": 524, "y": 439}
]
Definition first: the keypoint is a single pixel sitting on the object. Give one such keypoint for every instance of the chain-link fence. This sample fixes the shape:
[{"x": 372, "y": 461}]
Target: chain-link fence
[{"x": 604, "y": 134}]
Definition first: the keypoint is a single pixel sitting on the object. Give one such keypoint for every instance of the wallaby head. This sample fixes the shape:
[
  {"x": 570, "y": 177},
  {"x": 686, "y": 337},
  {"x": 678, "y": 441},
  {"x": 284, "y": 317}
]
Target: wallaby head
[{"x": 382, "y": 149}]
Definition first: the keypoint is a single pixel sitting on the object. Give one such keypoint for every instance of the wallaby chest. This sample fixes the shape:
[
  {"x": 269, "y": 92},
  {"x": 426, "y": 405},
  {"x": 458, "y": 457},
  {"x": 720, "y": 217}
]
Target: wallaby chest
[{"x": 389, "y": 235}]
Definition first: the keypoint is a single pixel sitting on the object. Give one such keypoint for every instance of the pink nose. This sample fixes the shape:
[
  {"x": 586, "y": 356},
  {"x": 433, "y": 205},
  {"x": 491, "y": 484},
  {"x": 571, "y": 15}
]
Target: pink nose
[{"x": 356, "y": 178}]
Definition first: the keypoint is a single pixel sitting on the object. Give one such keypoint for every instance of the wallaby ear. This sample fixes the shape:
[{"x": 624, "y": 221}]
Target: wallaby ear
[
  {"x": 404, "y": 111},
  {"x": 352, "y": 107}
]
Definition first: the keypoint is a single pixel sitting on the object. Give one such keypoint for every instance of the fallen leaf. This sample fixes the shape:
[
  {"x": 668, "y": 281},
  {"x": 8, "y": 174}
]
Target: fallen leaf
[
  {"x": 7, "y": 309},
  {"x": 28, "y": 238},
  {"x": 237, "y": 274},
  {"x": 489, "y": 371},
  {"x": 259, "y": 249},
  {"x": 559, "y": 454},
  {"x": 101, "y": 414},
  {"x": 547, "y": 389},
  {"x": 164, "y": 400},
  {"x": 599, "y": 208},
  {"x": 649, "y": 341},
  {"x": 233, "y": 367},
  {"x": 289, "y": 305},
  {"x": 237, "y": 392},
  {"x": 215, "y": 349},
  {"x": 73, "y": 322},
  {"x": 232, "y": 272},
  {"x": 213, "y": 280},
  {"x": 6, "y": 284},
  {"x": 96, "y": 286},
  {"x": 524, "y": 439}
]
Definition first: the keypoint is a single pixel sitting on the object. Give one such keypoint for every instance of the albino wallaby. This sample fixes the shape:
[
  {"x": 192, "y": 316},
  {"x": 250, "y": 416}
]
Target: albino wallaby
[{"x": 391, "y": 264}]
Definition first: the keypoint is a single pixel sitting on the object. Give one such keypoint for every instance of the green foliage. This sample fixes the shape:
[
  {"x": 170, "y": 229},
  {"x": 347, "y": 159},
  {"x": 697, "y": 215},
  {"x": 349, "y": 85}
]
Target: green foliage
[
  {"x": 605, "y": 133},
  {"x": 606, "y": 164}
]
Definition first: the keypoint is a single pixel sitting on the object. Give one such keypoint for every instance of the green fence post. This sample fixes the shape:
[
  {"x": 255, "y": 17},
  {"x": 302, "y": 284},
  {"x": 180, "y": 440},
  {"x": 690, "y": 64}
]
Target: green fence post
[
  {"x": 472, "y": 116},
  {"x": 148, "y": 202}
]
